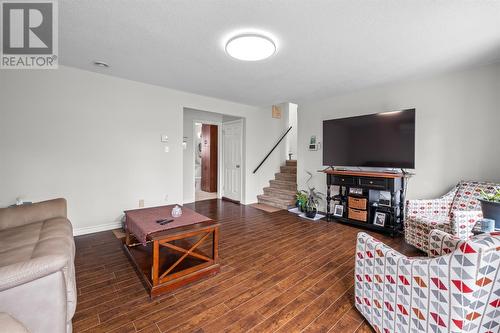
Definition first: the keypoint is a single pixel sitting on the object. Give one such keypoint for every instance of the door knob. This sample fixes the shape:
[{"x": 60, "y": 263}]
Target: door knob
[{"x": 237, "y": 166}]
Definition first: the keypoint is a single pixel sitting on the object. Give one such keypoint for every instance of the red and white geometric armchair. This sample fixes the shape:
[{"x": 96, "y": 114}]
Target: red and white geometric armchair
[
  {"x": 457, "y": 291},
  {"x": 455, "y": 212}
]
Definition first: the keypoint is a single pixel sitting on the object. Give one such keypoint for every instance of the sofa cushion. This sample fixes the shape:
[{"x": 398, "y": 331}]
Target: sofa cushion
[{"x": 54, "y": 236}]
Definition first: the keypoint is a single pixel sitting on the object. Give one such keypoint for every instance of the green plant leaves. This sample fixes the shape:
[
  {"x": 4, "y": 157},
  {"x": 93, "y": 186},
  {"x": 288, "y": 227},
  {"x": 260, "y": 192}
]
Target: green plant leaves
[{"x": 494, "y": 197}]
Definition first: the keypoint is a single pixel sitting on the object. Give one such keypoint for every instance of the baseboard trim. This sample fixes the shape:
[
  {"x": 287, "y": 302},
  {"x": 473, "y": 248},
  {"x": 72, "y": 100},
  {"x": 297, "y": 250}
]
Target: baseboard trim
[
  {"x": 96, "y": 228},
  {"x": 230, "y": 200}
]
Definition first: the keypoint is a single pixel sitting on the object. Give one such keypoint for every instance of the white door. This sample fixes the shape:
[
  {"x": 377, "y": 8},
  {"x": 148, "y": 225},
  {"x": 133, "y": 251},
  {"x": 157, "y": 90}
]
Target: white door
[{"x": 232, "y": 137}]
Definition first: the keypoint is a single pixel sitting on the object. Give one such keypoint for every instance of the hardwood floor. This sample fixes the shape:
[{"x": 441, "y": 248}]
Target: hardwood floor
[{"x": 279, "y": 273}]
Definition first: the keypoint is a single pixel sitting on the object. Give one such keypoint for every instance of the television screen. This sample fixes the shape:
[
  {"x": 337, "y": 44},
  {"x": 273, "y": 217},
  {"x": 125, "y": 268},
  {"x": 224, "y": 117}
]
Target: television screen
[{"x": 375, "y": 140}]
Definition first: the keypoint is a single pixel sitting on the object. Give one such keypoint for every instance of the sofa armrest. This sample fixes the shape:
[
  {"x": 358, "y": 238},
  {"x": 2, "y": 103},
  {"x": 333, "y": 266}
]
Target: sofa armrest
[
  {"x": 21, "y": 215},
  {"x": 11, "y": 325},
  {"x": 41, "y": 304},
  {"x": 442, "y": 243},
  {"x": 462, "y": 222},
  {"x": 20, "y": 273}
]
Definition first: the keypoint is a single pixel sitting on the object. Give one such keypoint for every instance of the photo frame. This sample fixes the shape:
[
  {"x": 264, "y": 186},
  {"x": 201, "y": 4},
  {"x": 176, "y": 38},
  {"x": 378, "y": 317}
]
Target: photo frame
[
  {"x": 338, "y": 210},
  {"x": 379, "y": 219},
  {"x": 355, "y": 190},
  {"x": 384, "y": 198}
]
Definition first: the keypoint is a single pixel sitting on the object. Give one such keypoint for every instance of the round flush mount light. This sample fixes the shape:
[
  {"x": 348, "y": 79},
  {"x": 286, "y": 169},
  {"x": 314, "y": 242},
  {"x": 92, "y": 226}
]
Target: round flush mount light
[
  {"x": 102, "y": 64},
  {"x": 250, "y": 47}
]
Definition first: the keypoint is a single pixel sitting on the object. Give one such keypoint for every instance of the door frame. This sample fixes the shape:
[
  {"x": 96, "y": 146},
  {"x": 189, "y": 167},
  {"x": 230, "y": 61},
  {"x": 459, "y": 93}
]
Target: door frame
[
  {"x": 219, "y": 155},
  {"x": 242, "y": 157}
]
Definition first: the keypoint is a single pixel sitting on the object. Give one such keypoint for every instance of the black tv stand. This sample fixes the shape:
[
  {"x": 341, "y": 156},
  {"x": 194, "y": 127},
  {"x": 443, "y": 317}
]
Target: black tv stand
[{"x": 359, "y": 209}]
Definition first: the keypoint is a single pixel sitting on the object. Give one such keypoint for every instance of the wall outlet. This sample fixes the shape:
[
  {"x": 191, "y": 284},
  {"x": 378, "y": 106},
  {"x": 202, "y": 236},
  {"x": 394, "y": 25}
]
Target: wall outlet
[
  {"x": 165, "y": 197},
  {"x": 167, "y": 149},
  {"x": 141, "y": 203}
]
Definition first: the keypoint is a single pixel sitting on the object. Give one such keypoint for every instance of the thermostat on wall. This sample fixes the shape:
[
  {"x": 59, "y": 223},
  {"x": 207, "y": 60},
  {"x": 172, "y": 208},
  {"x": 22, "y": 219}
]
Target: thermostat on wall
[{"x": 313, "y": 143}]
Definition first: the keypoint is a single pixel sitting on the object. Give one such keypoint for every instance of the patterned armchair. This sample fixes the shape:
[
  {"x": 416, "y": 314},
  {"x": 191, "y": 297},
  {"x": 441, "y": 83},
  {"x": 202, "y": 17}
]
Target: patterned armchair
[
  {"x": 457, "y": 291},
  {"x": 456, "y": 213}
]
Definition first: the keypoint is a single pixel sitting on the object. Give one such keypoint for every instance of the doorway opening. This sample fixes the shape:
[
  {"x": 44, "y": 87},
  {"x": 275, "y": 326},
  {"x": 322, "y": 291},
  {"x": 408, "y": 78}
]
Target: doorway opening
[
  {"x": 213, "y": 156},
  {"x": 206, "y": 161}
]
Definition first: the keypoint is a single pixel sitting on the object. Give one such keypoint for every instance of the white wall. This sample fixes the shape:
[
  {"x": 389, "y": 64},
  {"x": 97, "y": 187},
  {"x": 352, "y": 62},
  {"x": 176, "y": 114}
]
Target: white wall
[
  {"x": 226, "y": 118},
  {"x": 288, "y": 118},
  {"x": 457, "y": 126},
  {"x": 95, "y": 140},
  {"x": 190, "y": 117},
  {"x": 291, "y": 139}
]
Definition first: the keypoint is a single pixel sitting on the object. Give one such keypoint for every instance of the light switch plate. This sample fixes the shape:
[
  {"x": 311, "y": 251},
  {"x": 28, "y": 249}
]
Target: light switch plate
[{"x": 164, "y": 138}]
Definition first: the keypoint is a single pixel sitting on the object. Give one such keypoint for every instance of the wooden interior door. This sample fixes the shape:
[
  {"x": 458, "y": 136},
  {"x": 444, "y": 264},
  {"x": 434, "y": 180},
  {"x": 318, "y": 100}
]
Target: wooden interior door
[{"x": 209, "y": 145}]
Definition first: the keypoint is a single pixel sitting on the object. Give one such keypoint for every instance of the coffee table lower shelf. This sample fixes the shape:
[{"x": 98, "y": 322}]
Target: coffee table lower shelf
[{"x": 175, "y": 258}]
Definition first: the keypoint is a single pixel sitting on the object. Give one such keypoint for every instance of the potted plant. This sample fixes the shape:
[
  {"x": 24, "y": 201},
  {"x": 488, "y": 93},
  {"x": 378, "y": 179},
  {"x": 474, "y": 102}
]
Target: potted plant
[
  {"x": 313, "y": 199},
  {"x": 301, "y": 200},
  {"x": 490, "y": 205}
]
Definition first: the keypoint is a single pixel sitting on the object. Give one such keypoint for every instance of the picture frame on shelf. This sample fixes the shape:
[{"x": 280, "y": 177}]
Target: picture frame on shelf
[
  {"x": 333, "y": 203},
  {"x": 355, "y": 190},
  {"x": 338, "y": 210},
  {"x": 384, "y": 198},
  {"x": 334, "y": 190},
  {"x": 379, "y": 219}
]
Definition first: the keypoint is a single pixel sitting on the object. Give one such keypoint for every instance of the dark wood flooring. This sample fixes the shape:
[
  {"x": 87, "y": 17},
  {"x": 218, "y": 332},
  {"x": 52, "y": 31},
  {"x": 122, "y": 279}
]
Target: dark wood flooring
[{"x": 279, "y": 273}]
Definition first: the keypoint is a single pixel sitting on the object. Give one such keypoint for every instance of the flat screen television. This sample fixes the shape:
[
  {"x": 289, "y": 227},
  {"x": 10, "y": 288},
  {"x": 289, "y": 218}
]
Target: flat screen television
[{"x": 382, "y": 140}]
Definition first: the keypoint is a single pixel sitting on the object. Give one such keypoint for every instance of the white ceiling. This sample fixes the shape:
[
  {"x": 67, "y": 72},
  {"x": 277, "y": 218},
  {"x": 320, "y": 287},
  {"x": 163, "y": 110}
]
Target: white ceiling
[{"x": 324, "y": 47}]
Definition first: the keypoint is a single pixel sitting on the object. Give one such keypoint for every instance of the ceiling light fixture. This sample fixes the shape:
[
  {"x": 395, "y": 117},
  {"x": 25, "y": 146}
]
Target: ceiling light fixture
[
  {"x": 250, "y": 47},
  {"x": 101, "y": 64},
  {"x": 389, "y": 113}
]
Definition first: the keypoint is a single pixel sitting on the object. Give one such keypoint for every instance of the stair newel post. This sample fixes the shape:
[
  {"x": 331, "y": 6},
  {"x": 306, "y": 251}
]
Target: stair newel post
[{"x": 328, "y": 199}]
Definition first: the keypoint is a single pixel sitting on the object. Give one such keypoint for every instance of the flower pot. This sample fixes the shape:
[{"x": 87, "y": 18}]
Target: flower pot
[
  {"x": 311, "y": 213},
  {"x": 491, "y": 210},
  {"x": 310, "y": 209}
]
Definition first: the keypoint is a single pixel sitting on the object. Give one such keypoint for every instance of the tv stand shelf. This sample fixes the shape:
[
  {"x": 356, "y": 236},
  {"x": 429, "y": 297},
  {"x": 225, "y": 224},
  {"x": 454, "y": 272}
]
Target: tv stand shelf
[{"x": 370, "y": 184}]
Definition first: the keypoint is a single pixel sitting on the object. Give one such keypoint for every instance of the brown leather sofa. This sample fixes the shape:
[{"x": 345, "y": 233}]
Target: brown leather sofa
[{"x": 37, "y": 272}]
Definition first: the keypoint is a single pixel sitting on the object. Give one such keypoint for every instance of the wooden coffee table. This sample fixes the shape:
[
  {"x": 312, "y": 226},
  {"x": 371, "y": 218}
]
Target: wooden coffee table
[{"x": 175, "y": 256}]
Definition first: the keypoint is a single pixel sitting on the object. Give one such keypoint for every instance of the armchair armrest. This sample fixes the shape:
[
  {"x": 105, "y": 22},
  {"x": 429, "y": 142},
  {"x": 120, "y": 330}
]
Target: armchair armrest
[
  {"x": 462, "y": 222},
  {"x": 441, "y": 243},
  {"x": 434, "y": 207},
  {"x": 376, "y": 265},
  {"x": 30, "y": 270},
  {"x": 440, "y": 206},
  {"x": 451, "y": 194}
]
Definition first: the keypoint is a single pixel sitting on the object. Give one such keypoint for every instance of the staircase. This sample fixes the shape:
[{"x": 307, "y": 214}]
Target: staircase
[{"x": 281, "y": 193}]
